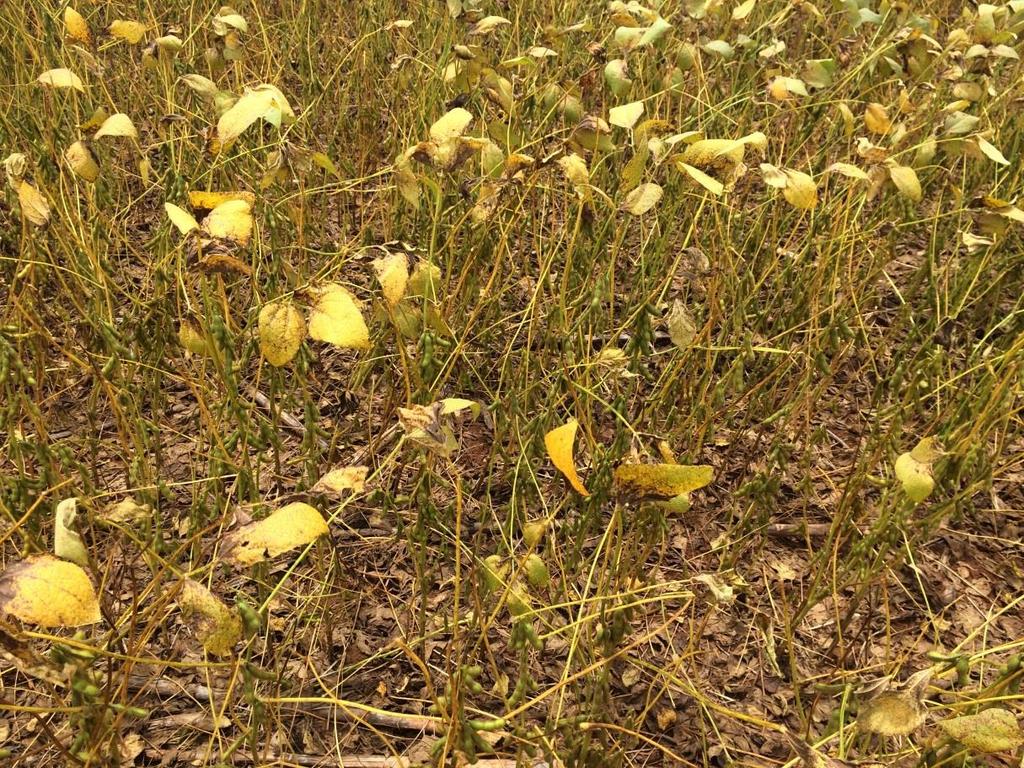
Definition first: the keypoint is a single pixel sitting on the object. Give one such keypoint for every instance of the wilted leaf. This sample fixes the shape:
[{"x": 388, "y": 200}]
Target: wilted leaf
[
  {"x": 191, "y": 337},
  {"x": 991, "y": 730},
  {"x": 876, "y": 118},
  {"x": 82, "y": 161},
  {"x": 33, "y": 205},
  {"x": 773, "y": 176},
  {"x": 218, "y": 627},
  {"x": 231, "y": 220},
  {"x": 293, "y": 525},
  {"x": 406, "y": 181},
  {"x": 575, "y": 169},
  {"x": 681, "y": 327},
  {"x": 180, "y": 218},
  {"x": 897, "y": 713},
  {"x": 129, "y": 31},
  {"x": 451, "y": 125},
  {"x": 393, "y": 274},
  {"x": 342, "y": 479},
  {"x": 892, "y": 714},
  {"x": 126, "y": 511},
  {"x": 118, "y": 124},
  {"x": 67, "y": 544},
  {"x": 488, "y": 24},
  {"x": 423, "y": 426},
  {"x": 720, "y": 589},
  {"x": 336, "y": 319},
  {"x": 76, "y": 27},
  {"x": 15, "y": 166},
  {"x": 642, "y": 199},
  {"x": 660, "y": 481},
  {"x": 282, "y": 330},
  {"x": 743, "y": 10},
  {"x": 207, "y": 201},
  {"x": 61, "y": 78},
  {"x": 559, "y": 443},
  {"x": 906, "y": 181},
  {"x": 50, "y": 592},
  {"x": 626, "y": 115},
  {"x": 914, "y": 471}
]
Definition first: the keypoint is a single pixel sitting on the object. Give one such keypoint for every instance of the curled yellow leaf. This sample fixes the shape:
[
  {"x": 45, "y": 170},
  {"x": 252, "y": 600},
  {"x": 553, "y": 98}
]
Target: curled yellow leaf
[
  {"x": 217, "y": 626},
  {"x": 559, "y": 443}
]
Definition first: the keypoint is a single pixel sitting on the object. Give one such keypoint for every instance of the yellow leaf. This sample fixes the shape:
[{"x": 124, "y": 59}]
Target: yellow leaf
[
  {"x": 293, "y": 525},
  {"x": 181, "y": 218},
  {"x": 191, "y": 337},
  {"x": 76, "y": 27},
  {"x": 231, "y": 220},
  {"x": 264, "y": 101},
  {"x": 67, "y": 544},
  {"x": 743, "y": 10},
  {"x": 451, "y": 125},
  {"x": 991, "y": 730},
  {"x": 914, "y": 471},
  {"x": 423, "y": 426},
  {"x": 848, "y": 170},
  {"x": 626, "y": 115},
  {"x": 129, "y": 31},
  {"x": 773, "y": 176},
  {"x": 892, "y": 714},
  {"x": 342, "y": 479},
  {"x": 218, "y": 627},
  {"x": 49, "y": 592},
  {"x": 642, "y": 199},
  {"x": 453, "y": 405},
  {"x": 336, "y": 319},
  {"x": 801, "y": 191},
  {"x": 876, "y": 118},
  {"x": 575, "y": 169},
  {"x": 712, "y": 185},
  {"x": 406, "y": 181},
  {"x": 425, "y": 280},
  {"x": 61, "y": 78},
  {"x": 207, "y": 201},
  {"x": 681, "y": 327},
  {"x": 559, "y": 444},
  {"x": 118, "y": 124},
  {"x": 393, "y": 274},
  {"x": 488, "y": 24},
  {"x": 282, "y": 330},
  {"x": 82, "y": 161},
  {"x": 33, "y": 205},
  {"x": 660, "y": 481},
  {"x": 710, "y": 153},
  {"x": 991, "y": 151},
  {"x": 906, "y": 181}
]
